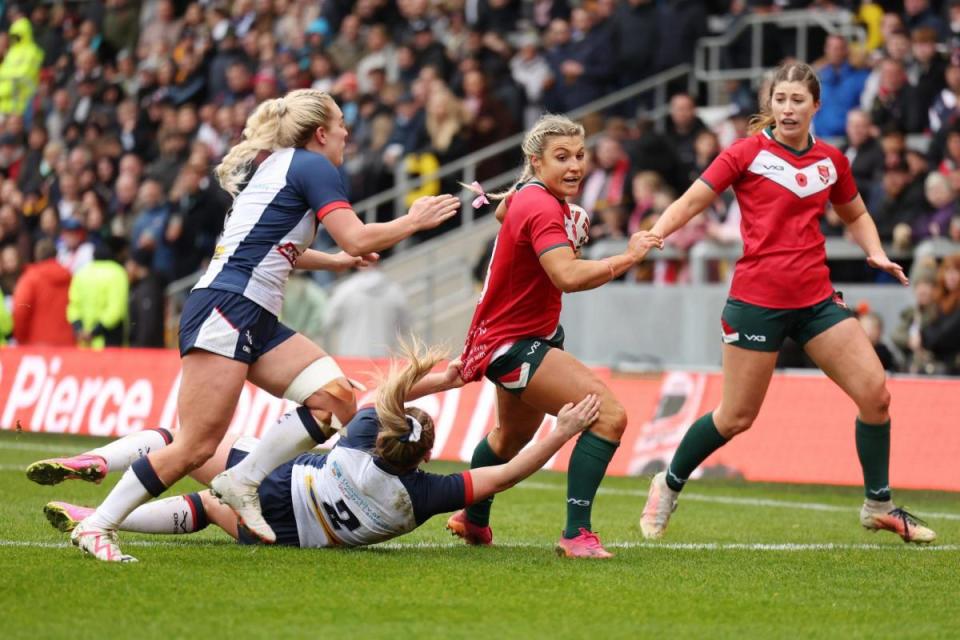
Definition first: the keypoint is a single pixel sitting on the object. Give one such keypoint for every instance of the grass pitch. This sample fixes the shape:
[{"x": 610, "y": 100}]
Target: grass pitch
[{"x": 740, "y": 560}]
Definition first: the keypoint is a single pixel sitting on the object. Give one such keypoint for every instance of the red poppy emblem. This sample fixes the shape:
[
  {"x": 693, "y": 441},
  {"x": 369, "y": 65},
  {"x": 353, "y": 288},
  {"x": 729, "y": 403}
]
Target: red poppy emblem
[
  {"x": 801, "y": 179},
  {"x": 824, "y": 172}
]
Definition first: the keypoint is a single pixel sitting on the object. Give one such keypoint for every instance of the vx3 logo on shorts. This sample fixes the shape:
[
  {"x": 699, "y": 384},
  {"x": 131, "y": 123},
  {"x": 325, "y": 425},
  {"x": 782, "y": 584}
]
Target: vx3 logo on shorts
[
  {"x": 755, "y": 337},
  {"x": 533, "y": 347},
  {"x": 577, "y": 502}
]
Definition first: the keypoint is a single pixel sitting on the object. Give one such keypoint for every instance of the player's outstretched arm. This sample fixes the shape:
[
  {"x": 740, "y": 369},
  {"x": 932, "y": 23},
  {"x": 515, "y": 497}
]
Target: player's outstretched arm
[
  {"x": 437, "y": 382},
  {"x": 864, "y": 231},
  {"x": 569, "y": 273},
  {"x": 313, "y": 260},
  {"x": 694, "y": 200},
  {"x": 571, "y": 420},
  {"x": 358, "y": 239}
]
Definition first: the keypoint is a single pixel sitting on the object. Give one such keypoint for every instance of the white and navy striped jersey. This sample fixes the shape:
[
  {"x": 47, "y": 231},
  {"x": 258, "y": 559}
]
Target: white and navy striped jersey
[
  {"x": 271, "y": 224},
  {"x": 350, "y": 498}
]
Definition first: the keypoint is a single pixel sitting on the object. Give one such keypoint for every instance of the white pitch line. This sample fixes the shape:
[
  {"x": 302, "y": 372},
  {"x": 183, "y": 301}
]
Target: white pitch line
[
  {"x": 668, "y": 546},
  {"x": 34, "y": 446},
  {"x": 546, "y": 486},
  {"x": 743, "y": 502}
]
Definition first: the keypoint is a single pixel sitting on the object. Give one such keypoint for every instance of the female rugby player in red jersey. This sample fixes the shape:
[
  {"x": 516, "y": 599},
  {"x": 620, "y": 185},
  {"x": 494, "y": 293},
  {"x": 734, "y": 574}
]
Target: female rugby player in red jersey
[
  {"x": 516, "y": 341},
  {"x": 783, "y": 179}
]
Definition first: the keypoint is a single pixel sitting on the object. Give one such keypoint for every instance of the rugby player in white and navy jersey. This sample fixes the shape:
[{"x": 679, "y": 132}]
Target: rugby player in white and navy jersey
[
  {"x": 516, "y": 341},
  {"x": 368, "y": 489},
  {"x": 229, "y": 331},
  {"x": 784, "y": 180}
]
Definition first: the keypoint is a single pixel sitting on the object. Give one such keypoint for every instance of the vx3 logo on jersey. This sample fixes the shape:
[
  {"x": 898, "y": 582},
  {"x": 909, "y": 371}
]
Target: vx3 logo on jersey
[
  {"x": 773, "y": 167},
  {"x": 755, "y": 337}
]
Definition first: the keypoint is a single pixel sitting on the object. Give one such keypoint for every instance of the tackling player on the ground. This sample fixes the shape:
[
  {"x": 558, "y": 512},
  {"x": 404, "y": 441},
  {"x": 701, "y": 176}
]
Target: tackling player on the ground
[{"x": 368, "y": 489}]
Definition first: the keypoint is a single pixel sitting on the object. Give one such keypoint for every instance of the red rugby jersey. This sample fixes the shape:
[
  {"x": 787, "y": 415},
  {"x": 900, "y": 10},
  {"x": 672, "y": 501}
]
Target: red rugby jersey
[
  {"x": 782, "y": 195},
  {"x": 518, "y": 299}
]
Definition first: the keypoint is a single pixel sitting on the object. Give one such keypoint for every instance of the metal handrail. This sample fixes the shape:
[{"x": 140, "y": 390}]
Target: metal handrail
[
  {"x": 708, "y": 71},
  {"x": 657, "y": 83}
]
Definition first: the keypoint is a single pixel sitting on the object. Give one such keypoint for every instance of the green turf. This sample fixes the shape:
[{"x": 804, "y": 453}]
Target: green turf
[{"x": 206, "y": 586}]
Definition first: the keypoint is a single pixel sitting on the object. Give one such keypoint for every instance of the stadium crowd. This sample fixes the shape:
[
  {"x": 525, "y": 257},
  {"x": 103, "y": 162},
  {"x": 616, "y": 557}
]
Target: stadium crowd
[{"x": 115, "y": 112}]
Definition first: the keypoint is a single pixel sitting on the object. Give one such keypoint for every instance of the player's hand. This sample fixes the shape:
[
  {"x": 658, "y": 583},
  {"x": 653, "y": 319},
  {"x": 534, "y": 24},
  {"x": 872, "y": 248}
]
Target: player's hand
[
  {"x": 428, "y": 212},
  {"x": 882, "y": 262},
  {"x": 641, "y": 242},
  {"x": 574, "y": 418},
  {"x": 343, "y": 261},
  {"x": 453, "y": 376}
]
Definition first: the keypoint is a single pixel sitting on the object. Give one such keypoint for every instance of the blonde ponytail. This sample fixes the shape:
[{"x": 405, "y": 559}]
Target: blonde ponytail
[
  {"x": 275, "y": 124},
  {"x": 400, "y": 441}
]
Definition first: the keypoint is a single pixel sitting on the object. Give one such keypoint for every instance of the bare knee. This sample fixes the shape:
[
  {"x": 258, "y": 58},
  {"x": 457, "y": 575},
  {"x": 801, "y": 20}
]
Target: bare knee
[
  {"x": 612, "y": 421},
  {"x": 875, "y": 406},
  {"x": 731, "y": 423},
  {"x": 507, "y": 443},
  {"x": 194, "y": 454},
  {"x": 340, "y": 401}
]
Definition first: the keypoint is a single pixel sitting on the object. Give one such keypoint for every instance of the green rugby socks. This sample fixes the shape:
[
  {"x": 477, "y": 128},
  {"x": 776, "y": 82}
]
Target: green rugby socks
[
  {"x": 483, "y": 456},
  {"x": 700, "y": 441},
  {"x": 873, "y": 449},
  {"x": 588, "y": 465}
]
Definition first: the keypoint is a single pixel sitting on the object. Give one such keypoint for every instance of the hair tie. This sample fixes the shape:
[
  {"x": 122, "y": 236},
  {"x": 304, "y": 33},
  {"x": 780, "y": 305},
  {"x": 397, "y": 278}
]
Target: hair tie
[
  {"x": 415, "y": 430},
  {"x": 481, "y": 198}
]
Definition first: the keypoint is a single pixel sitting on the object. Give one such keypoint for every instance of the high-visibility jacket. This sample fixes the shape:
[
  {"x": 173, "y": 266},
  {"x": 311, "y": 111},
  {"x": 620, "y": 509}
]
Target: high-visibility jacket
[
  {"x": 20, "y": 69},
  {"x": 98, "y": 300}
]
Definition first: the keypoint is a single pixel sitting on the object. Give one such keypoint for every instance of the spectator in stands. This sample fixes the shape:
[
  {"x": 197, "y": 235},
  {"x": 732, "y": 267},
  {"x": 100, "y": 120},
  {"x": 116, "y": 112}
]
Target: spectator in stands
[
  {"x": 896, "y": 47},
  {"x": 608, "y": 180},
  {"x": 490, "y": 120},
  {"x": 11, "y": 268},
  {"x": 40, "y": 301},
  {"x": 74, "y": 250},
  {"x": 918, "y": 14},
  {"x": 941, "y": 207},
  {"x": 20, "y": 69},
  {"x": 380, "y": 54},
  {"x": 148, "y": 231},
  {"x": 862, "y": 149},
  {"x": 942, "y": 336},
  {"x": 532, "y": 72},
  {"x": 896, "y": 101},
  {"x": 97, "y": 308},
  {"x": 927, "y": 70},
  {"x": 446, "y": 125},
  {"x": 145, "y": 302},
  {"x": 683, "y": 126},
  {"x": 367, "y": 335},
  {"x": 946, "y": 106},
  {"x": 913, "y": 320},
  {"x": 14, "y": 233},
  {"x": 636, "y": 39},
  {"x": 873, "y": 326},
  {"x": 840, "y": 84},
  {"x": 609, "y": 223},
  {"x": 346, "y": 50}
]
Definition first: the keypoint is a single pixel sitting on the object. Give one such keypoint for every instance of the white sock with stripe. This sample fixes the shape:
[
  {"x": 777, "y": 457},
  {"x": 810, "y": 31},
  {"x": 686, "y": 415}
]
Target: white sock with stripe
[
  {"x": 175, "y": 515},
  {"x": 121, "y": 453},
  {"x": 293, "y": 434}
]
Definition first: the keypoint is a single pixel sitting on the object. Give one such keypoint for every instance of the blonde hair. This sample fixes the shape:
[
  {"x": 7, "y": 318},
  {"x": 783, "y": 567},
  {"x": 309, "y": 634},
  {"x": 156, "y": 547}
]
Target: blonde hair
[
  {"x": 788, "y": 72},
  {"x": 393, "y": 439},
  {"x": 535, "y": 143},
  {"x": 275, "y": 124}
]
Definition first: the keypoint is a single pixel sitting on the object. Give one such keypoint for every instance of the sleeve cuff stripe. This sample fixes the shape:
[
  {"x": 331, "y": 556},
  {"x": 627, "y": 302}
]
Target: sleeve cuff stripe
[
  {"x": 337, "y": 204},
  {"x": 467, "y": 488},
  {"x": 553, "y": 246}
]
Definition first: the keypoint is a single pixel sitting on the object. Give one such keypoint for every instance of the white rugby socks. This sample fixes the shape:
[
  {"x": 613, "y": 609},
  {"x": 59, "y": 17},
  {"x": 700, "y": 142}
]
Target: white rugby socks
[
  {"x": 294, "y": 433},
  {"x": 121, "y": 453}
]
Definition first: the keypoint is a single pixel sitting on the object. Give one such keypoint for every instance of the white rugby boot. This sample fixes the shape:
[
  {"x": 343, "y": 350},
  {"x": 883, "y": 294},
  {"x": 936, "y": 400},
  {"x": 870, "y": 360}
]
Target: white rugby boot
[
  {"x": 885, "y": 516},
  {"x": 245, "y": 502},
  {"x": 661, "y": 503},
  {"x": 102, "y": 544}
]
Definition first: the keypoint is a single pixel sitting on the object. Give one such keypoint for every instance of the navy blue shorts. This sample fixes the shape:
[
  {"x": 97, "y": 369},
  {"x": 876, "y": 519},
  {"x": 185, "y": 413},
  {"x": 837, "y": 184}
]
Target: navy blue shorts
[
  {"x": 276, "y": 503},
  {"x": 229, "y": 325}
]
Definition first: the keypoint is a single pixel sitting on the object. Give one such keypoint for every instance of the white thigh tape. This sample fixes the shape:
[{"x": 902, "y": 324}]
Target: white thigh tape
[{"x": 313, "y": 378}]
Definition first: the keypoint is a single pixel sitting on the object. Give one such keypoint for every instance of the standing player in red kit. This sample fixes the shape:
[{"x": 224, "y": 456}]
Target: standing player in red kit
[
  {"x": 516, "y": 339},
  {"x": 783, "y": 179}
]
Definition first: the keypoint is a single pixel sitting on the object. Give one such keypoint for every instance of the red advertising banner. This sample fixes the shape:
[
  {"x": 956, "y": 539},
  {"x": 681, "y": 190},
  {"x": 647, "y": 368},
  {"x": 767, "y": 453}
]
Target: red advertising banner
[{"x": 803, "y": 434}]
